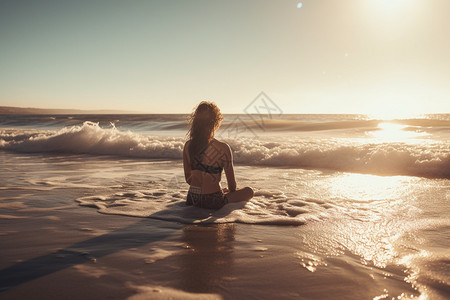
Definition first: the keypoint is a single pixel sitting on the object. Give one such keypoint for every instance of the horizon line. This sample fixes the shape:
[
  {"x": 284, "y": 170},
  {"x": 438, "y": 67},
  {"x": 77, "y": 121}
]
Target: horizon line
[{"x": 10, "y": 110}]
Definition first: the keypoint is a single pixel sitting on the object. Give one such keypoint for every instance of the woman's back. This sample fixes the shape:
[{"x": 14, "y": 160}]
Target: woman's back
[
  {"x": 204, "y": 159},
  {"x": 206, "y": 168}
]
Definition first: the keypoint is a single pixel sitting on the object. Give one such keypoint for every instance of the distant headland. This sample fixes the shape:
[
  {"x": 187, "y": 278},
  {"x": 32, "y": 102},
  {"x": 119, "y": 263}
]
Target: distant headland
[{"x": 11, "y": 110}]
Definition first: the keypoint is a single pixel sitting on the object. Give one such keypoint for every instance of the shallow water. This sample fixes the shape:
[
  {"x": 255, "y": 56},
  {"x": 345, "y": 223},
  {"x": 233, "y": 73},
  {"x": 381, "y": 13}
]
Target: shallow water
[
  {"x": 392, "y": 226},
  {"x": 360, "y": 197}
]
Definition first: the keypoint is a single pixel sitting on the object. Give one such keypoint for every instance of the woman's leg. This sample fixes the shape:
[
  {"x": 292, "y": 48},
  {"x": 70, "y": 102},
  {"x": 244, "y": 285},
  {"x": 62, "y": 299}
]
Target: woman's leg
[{"x": 244, "y": 194}]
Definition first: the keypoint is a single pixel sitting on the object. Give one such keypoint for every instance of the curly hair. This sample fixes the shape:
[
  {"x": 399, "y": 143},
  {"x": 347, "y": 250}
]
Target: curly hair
[{"x": 203, "y": 123}]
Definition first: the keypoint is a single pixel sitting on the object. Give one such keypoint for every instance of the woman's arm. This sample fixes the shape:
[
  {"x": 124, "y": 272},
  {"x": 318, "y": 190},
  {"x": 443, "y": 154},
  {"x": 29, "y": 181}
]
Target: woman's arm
[
  {"x": 187, "y": 164},
  {"x": 229, "y": 169}
]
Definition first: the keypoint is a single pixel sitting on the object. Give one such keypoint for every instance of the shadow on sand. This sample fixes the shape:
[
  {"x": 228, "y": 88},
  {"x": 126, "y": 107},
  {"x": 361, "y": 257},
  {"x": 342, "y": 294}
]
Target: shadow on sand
[{"x": 138, "y": 234}]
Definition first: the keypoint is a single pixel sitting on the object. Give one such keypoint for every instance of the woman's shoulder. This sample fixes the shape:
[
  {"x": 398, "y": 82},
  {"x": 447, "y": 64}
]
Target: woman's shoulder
[
  {"x": 186, "y": 145},
  {"x": 221, "y": 144}
]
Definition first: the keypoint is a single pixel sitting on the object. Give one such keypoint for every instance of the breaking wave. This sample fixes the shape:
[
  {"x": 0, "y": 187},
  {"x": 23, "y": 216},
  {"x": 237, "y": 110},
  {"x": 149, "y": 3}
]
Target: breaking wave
[{"x": 430, "y": 159}]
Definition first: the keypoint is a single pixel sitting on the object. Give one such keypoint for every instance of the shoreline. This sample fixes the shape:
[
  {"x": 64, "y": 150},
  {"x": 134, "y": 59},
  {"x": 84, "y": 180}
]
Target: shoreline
[
  {"x": 54, "y": 248},
  {"x": 145, "y": 257}
]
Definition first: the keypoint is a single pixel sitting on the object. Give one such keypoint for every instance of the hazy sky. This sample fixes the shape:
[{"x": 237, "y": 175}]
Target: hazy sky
[{"x": 329, "y": 56}]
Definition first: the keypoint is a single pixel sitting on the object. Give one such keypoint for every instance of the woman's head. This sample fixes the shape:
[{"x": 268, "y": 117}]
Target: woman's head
[{"x": 204, "y": 121}]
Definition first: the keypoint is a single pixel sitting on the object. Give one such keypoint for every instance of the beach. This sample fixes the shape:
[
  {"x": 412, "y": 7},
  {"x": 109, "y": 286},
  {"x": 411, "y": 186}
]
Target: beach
[{"x": 345, "y": 207}]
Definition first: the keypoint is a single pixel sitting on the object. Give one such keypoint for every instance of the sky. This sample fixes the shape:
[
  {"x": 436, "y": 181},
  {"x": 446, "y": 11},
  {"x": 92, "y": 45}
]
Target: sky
[{"x": 313, "y": 56}]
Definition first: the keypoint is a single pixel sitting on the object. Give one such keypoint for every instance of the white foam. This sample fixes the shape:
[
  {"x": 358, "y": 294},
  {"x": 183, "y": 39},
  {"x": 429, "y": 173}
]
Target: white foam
[
  {"x": 271, "y": 209},
  {"x": 312, "y": 197},
  {"x": 428, "y": 158},
  {"x": 90, "y": 138}
]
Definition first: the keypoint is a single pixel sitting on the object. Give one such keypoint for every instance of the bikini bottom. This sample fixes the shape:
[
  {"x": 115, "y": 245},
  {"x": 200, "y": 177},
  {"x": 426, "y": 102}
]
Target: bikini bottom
[{"x": 211, "y": 201}]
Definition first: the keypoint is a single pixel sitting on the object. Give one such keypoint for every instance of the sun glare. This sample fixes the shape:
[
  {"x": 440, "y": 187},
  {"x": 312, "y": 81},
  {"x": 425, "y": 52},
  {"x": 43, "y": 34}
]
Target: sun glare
[
  {"x": 387, "y": 115},
  {"x": 390, "y": 6},
  {"x": 391, "y": 3},
  {"x": 366, "y": 188},
  {"x": 388, "y": 131},
  {"x": 390, "y": 17}
]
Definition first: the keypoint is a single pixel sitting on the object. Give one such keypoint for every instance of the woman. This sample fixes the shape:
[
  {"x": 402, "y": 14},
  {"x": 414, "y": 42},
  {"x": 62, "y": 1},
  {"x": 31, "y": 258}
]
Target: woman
[{"x": 204, "y": 158}]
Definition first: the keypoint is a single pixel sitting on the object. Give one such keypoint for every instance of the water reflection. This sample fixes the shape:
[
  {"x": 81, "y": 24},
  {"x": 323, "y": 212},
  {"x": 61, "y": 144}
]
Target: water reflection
[
  {"x": 209, "y": 260},
  {"x": 369, "y": 188},
  {"x": 393, "y": 132},
  {"x": 369, "y": 215}
]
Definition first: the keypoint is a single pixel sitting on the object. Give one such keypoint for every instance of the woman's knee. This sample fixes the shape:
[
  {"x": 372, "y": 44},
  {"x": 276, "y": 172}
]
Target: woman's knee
[
  {"x": 249, "y": 192},
  {"x": 244, "y": 194}
]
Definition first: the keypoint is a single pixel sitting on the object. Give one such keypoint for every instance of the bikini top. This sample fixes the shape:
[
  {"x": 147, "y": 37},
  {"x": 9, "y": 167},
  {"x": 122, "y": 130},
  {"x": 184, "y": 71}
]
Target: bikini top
[
  {"x": 206, "y": 168},
  {"x": 198, "y": 165}
]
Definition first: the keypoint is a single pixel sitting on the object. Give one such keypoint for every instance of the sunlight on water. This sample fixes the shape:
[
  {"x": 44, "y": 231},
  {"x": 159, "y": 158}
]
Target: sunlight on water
[
  {"x": 371, "y": 214},
  {"x": 391, "y": 132},
  {"x": 367, "y": 188},
  {"x": 387, "y": 115}
]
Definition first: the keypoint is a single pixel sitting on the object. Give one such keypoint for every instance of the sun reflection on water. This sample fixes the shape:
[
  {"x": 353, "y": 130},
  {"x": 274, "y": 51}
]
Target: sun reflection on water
[
  {"x": 371, "y": 214},
  {"x": 386, "y": 224},
  {"x": 389, "y": 131},
  {"x": 368, "y": 188}
]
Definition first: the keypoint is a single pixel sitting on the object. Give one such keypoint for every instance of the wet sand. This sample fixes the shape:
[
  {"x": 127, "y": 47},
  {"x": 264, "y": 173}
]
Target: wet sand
[
  {"x": 53, "y": 248},
  {"x": 74, "y": 253}
]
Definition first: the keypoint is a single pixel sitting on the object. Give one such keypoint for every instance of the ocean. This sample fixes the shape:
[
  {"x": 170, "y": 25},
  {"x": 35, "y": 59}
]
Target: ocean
[{"x": 345, "y": 206}]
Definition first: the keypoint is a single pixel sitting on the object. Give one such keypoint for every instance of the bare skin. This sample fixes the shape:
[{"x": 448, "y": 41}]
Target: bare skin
[{"x": 216, "y": 154}]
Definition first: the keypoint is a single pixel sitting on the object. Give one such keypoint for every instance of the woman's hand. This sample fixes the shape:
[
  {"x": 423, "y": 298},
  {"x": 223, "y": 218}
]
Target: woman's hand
[{"x": 225, "y": 190}]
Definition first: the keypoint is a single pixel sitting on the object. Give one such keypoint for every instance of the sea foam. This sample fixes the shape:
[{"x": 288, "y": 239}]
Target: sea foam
[
  {"x": 270, "y": 208},
  {"x": 428, "y": 159},
  {"x": 90, "y": 138}
]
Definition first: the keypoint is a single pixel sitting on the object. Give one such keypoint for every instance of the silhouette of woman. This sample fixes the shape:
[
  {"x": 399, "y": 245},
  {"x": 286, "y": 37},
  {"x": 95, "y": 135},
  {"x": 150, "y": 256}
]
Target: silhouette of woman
[{"x": 204, "y": 159}]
